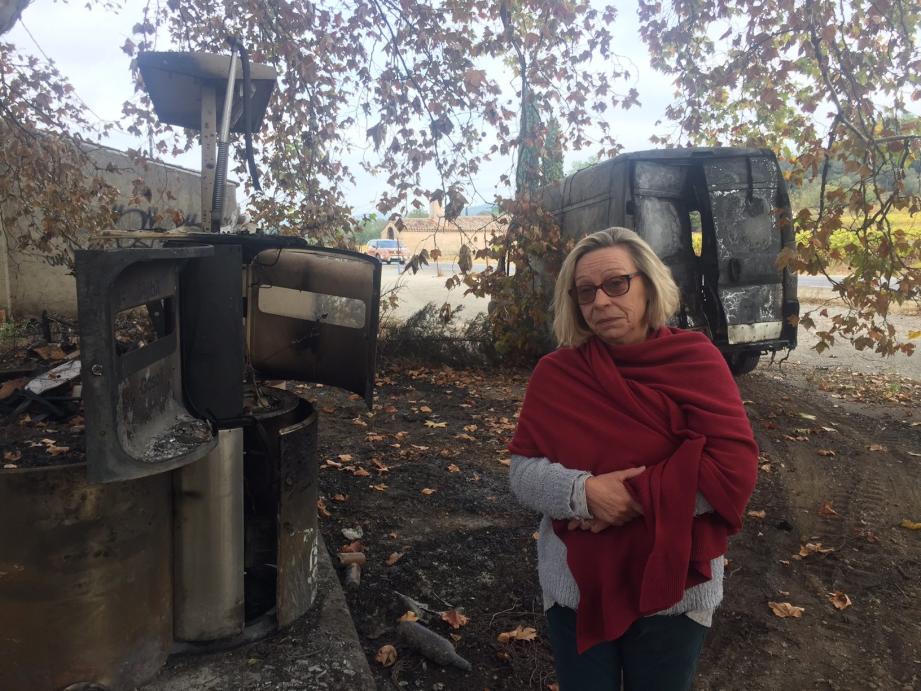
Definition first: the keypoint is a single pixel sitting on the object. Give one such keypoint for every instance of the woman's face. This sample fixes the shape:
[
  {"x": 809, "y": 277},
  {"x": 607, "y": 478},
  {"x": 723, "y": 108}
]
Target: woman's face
[{"x": 619, "y": 320}]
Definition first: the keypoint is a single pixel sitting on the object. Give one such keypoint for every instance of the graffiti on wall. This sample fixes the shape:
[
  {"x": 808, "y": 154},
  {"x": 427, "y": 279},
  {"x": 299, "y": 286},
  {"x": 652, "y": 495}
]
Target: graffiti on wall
[{"x": 152, "y": 218}]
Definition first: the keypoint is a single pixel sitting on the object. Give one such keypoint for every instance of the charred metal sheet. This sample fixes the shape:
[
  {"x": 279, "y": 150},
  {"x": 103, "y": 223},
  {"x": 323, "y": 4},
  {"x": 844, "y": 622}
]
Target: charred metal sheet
[
  {"x": 312, "y": 315},
  {"x": 85, "y": 579},
  {"x": 297, "y": 518},
  {"x": 137, "y": 423},
  {"x": 211, "y": 322},
  {"x": 174, "y": 82}
]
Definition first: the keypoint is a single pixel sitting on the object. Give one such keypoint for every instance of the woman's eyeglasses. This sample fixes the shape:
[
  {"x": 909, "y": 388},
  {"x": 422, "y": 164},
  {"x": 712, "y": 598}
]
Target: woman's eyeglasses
[{"x": 612, "y": 287}]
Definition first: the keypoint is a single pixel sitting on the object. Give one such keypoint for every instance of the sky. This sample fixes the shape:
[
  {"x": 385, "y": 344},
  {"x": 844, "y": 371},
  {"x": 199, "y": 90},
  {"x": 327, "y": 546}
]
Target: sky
[{"x": 86, "y": 48}]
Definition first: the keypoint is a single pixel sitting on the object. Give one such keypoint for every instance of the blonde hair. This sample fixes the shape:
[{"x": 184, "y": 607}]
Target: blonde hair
[{"x": 663, "y": 297}]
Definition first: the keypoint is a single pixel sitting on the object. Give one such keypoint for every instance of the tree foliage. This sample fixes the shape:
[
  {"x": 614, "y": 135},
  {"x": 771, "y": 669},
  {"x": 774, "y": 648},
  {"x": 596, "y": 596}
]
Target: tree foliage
[{"x": 830, "y": 85}]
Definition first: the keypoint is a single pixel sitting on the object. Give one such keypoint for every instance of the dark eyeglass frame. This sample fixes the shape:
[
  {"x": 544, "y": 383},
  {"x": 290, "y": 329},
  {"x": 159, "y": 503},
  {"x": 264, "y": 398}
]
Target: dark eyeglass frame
[{"x": 611, "y": 293}]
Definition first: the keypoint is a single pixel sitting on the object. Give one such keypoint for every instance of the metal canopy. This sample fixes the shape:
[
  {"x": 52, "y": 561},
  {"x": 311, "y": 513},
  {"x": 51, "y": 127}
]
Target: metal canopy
[{"x": 175, "y": 80}]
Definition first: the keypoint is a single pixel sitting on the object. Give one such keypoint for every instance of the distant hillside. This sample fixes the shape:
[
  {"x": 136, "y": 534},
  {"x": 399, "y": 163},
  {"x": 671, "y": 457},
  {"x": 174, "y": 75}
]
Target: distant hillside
[{"x": 480, "y": 210}]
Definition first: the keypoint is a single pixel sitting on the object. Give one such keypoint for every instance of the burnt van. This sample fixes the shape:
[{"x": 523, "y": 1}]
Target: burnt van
[{"x": 718, "y": 217}]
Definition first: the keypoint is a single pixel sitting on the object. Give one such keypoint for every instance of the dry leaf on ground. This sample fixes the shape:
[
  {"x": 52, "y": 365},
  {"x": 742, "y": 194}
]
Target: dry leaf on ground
[
  {"x": 387, "y": 655},
  {"x": 826, "y": 452},
  {"x": 813, "y": 548},
  {"x": 453, "y": 468},
  {"x": 437, "y": 425},
  {"x": 757, "y": 514},
  {"x": 785, "y": 610},
  {"x": 826, "y": 509},
  {"x": 394, "y": 558},
  {"x": 428, "y": 491},
  {"x": 321, "y": 508},
  {"x": 520, "y": 633},
  {"x": 839, "y": 600},
  {"x": 911, "y": 525},
  {"x": 454, "y": 618}
]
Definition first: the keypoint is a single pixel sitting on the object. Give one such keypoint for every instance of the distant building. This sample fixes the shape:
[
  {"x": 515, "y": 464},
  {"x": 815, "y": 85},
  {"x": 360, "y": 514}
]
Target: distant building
[{"x": 435, "y": 231}]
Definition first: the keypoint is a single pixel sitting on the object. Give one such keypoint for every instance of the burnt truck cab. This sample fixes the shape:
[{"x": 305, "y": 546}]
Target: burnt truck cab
[{"x": 736, "y": 200}]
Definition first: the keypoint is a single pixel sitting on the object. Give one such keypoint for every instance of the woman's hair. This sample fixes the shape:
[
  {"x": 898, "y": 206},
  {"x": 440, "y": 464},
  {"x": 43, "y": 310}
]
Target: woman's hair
[{"x": 663, "y": 296}]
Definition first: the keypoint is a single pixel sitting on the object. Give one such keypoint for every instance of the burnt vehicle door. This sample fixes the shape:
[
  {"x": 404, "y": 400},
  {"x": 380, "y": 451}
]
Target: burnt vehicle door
[
  {"x": 310, "y": 314},
  {"x": 736, "y": 199}
]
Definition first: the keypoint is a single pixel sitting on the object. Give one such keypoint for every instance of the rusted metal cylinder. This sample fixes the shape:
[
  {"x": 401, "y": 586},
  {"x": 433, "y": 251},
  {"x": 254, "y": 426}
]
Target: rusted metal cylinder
[
  {"x": 208, "y": 549},
  {"x": 85, "y": 579}
]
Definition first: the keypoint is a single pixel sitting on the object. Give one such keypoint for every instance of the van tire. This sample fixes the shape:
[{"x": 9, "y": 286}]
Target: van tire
[{"x": 743, "y": 362}]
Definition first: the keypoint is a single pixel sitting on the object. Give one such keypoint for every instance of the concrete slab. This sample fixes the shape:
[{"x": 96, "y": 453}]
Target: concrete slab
[{"x": 320, "y": 651}]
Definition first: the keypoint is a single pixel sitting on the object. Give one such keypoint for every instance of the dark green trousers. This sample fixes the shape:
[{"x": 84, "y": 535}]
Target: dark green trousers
[{"x": 657, "y": 653}]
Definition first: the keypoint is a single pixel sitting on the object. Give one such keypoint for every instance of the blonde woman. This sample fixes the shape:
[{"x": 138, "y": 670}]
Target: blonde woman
[{"x": 634, "y": 444}]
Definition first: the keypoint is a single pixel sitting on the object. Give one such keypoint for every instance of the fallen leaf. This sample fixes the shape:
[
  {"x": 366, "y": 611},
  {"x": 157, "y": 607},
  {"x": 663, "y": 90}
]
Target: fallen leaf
[
  {"x": 765, "y": 467},
  {"x": 436, "y": 425},
  {"x": 394, "y": 558},
  {"x": 7, "y": 388},
  {"x": 428, "y": 491},
  {"x": 454, "y": 618},
  {"x": 340, "y": 497},
  {"x": 321, "y": 508},
  {"x": 12, "y": 456},
  {"x": 470, "y": 428},
  {"x": 328, "y": 409},
  {"x": 345, "y": 457},
  {"x": 464, "y": 437},
  {"x": 453, "y": 469},
  {"x": 360, "y": 472},
  {"x": 387, "y": 655},
  {"x": 425, "y": 409},
  {"x": 380, "y": 488},
  {"x": 330, "y": 463},
  {"x": 57, "y": 450},
  {"x": 372, "y": 437},
  {"x": 826, "y": 510},
  {"x": 535, "y": 535},
  {"x": 354, "y": 546},
  {"x": 381, "y": 468},
  {"x": 505, "y": 461},
  {"x": 354, "y": 397},
  {"x": 839, "y": 600},
  {"x": 807, "y": 416},
  {"x": 785, "y": 609},
  {"x": 813, "y": 548},
  {"x": 876, "y": 447},
  {"x": 829, "y": 429},
  {"x": 520, "y": 633},
  {"x": 10, "y": 465},
  {"x": 826, "y": 452},
  {"x": 757, "y": 514},
  {"x": 358, "y": 422},
  {"x": 911, "y": 525}
]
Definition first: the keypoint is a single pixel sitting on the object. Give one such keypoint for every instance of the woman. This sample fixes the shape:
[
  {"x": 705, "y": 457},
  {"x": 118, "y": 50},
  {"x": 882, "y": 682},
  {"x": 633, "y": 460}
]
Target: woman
[{"x": 634, "y": 444}]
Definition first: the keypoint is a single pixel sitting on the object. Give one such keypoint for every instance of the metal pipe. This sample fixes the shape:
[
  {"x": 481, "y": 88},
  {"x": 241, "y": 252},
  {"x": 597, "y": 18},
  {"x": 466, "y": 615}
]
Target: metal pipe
[
  {"x": 220, "y": 177},
  {"x": 208, "y": 543}
]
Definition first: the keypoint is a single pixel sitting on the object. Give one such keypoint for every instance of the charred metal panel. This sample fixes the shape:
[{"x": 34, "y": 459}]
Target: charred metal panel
[
  {"x": 312, "y": 315},
  {"x": 743, "y": 193},
  {"x": 297, "y": 518},
  {"x": 211, "y": 316},
  {"x": 85, "y": 580},
  {"x": 137, "y": 423},
  {"x": 662, "y": 218}
]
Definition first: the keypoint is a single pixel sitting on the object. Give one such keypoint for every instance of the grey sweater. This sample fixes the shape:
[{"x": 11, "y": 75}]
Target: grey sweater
[{"x": 559, "y": 493}]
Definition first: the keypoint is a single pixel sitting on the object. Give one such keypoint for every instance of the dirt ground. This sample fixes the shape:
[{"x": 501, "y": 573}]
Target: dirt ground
[{"x": 424, "y": 478}]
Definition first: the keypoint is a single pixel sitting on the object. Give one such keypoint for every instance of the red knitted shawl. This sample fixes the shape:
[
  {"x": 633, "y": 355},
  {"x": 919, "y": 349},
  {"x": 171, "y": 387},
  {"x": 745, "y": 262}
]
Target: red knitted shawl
[{"x": 668, "y": 403}]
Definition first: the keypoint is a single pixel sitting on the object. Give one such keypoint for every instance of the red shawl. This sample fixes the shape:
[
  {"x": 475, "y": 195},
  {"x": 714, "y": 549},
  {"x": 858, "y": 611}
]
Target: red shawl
[{"x": 668, "y": 403}]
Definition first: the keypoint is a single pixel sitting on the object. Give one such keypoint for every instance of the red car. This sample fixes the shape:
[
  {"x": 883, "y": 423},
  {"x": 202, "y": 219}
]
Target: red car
[{"x": 387, "y": 250}]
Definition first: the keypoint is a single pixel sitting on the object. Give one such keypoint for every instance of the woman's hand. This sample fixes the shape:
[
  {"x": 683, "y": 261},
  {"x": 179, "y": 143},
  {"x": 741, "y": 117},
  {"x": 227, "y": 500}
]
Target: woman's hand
[{"x": 609, "y": 501}]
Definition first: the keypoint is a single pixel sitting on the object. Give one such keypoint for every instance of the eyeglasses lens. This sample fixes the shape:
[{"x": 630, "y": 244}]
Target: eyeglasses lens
[{"x": 613, "y": 287}]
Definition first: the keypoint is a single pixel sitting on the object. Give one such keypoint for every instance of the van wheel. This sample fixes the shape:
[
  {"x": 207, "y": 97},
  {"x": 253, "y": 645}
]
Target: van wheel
[{"x": 744, "y": 362}]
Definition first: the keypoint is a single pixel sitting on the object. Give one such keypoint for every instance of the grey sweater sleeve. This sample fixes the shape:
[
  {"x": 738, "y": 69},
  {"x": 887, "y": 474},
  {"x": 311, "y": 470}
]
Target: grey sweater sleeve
[{"x": 549, "y": 487}]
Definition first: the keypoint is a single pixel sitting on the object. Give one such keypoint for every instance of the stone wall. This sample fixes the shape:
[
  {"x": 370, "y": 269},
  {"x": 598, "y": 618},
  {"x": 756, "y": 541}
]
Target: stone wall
[{"x": 31, "y": 281}]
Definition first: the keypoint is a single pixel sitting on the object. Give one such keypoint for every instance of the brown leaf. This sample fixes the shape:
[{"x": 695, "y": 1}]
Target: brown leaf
[
  {"x": 470, "y": 428},
  {"x": 826, "y": 510},
  {"x": 424, "y": 409},
  {"x": 839, "y": 600},
  {"x": 785, "y": 610},
  {"x": 57, "y": 450},
  {"x": 464, "y": 437},
  {"x": 321, "y": 508},
  {"x": 813, "y": 548},
  {"x": 910, "y": 525},
  {"x": 453, "y": 468},
  {"x": 380, "y": 488},
  {"x": 454, "y": 618},
  {"x": 505, "y": 461},
  {"x": 340, "y": 497},
  {"x": 757, "y": 514},
  {"x": 7, "y": 388},
  {"x": 519, "y": 633},
  {"x": 428, "y": 491},
  {"x": 12, "y": 456},
  {"x": 435, "y": 425},
  {"x": 360, "y": 472},
  {"x": 387, "y": 655},
  {"x": 394, "y": 558},
  {"x": 826, "y": 452},
  {"x": 358, "y": 422},
  {"x": 345, "y": 457},
  {"x": 876, "y": 447}
]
